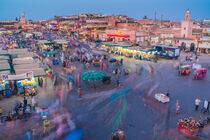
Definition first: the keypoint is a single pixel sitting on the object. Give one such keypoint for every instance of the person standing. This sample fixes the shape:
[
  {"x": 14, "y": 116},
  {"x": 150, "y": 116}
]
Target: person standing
[
  {"x": 197, "y": 102},
  {"x": 118, "y": 82},
  {"x": 25, "y": 101},
  {"x": 33, "y": 102},
  {"x": 80, "y": 92},
  {"x": 84, "y": 65},
  {"x": 186, "y": 58},
  {"x": 87, "y": 65},
  {"x": 46, "y": 124},
  {"x": 24, "y": 114},
  {"x": 196, "y": 58},
  {"x": 167, "y": 92},
  {"x": 1, "y": 111},
  {"x": 177, "y": 107}
]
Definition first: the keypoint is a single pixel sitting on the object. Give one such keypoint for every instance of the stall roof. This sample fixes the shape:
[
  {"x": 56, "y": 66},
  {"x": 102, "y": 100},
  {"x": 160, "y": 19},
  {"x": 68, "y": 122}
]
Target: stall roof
[
  {"x": 4, "y": 67},
  {"x": 26, "y": 66},
  {"x": 43, "y": 41},
  {"x": 61, "y": 41},
  {"x": 28, "y": 54},
  {"x": 17, "y": 51},
  {"x": 37, "y": 71},
  {"x": 3, "y": 52},
  {"x": 51, "y": 52},
  {"x": 18, "y": 62},
  {"x": 4, "y": 72},
  {"x": 4, "y": 57},
  {"x": 3, "y": 61}
]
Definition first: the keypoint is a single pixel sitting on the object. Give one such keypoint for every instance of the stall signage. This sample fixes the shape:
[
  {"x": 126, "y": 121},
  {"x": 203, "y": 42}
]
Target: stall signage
[{"x": 17, "y": 77}]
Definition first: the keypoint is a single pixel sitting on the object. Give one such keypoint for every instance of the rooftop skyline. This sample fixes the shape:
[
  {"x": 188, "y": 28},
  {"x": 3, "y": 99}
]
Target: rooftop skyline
[{"x": 46, "y": 9}]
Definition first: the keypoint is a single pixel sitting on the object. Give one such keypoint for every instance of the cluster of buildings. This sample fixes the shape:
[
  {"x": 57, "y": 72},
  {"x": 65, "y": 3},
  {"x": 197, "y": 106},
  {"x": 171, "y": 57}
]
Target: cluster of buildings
[{"x": 188, "y": 34}]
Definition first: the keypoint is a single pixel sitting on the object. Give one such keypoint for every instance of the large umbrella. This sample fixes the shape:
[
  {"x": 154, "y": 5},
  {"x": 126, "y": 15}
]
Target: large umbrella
[{"x": 93, "y": 75}]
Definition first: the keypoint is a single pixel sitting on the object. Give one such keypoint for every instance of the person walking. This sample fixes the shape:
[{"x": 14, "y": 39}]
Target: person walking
[
  {"x": 118, "y": 82},
  {"x": 197, "y": 102},
  {"x": 177, "y": 107}
]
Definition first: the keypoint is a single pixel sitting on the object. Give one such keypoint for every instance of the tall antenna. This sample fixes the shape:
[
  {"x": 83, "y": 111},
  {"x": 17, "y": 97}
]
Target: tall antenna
[
  {"x": 161, "y": 18},
  {"x": 155, "y": 15}
]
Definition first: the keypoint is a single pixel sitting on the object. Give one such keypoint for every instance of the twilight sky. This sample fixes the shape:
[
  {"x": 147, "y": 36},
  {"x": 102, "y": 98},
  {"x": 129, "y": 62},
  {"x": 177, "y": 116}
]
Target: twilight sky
[{"x": 45, "y": 9}]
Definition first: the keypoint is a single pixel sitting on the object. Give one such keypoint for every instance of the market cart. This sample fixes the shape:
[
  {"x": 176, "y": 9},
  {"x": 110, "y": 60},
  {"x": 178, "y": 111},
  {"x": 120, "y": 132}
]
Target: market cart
[
  {"x": 162, "y": 98},
  {"x": 189, "y": 127}
]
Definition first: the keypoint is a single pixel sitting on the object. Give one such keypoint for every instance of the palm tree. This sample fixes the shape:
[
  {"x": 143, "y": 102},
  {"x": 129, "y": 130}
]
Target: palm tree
[{"x": 145, "y": 17}]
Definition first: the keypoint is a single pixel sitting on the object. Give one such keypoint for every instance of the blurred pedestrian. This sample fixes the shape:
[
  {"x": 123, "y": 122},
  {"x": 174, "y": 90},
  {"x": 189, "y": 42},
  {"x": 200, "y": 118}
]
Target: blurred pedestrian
[
  {"x": 118, "y": 82},
  {"x": 196, "y": 58},
  {"x": 25, "y": 101},
  {"x": 186, "y": 58},
  {"x": 46, "y": 124},
  {"x": 197, "y": 102},
  {"x": 177, "y": 107},
  {"x": 33, "y": 102},
  {"x": 24, "y": 114},
  {"x": 80, "y": 92},
  {"x": 87, "y": 64},
  {"x": 84, "y": 65},
  {"x": 1, "y": 111},
  {"x": 28, "y": 134}
]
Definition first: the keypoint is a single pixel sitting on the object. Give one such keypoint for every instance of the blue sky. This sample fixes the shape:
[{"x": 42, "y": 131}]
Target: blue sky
[{"x": 45, "y": 9}]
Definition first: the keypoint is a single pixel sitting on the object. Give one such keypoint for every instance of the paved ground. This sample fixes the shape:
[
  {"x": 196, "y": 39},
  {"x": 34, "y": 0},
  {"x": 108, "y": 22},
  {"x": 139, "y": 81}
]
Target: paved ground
[{"x": 100, "y": 111}]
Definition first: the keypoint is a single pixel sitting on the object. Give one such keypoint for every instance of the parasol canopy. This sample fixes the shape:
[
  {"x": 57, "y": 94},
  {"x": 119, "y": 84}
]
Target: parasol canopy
[{"x": 93, "y": 75}]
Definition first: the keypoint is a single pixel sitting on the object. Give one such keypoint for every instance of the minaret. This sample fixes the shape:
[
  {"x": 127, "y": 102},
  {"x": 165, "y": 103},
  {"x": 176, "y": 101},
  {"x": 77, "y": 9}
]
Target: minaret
[{"x": 186, "y": 25}]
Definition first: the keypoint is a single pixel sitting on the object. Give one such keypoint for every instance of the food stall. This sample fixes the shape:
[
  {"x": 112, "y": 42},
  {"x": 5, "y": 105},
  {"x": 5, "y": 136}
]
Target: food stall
[
  {"x": 162, "y": 98},
  {"x": 184, "y": 70},
  {"x": 28, "y": 85},
  {"x": 199, "y": 74},
  {"x": 189, "y": 127},
  {"x": 196, "y": 66},
  {"x": 168, "y": 51},
  {"x": 5, "y": 89}
]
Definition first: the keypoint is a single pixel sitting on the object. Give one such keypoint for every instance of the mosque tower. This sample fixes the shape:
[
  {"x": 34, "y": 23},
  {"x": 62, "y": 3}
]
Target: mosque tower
[{"x": 186, "y": 25}]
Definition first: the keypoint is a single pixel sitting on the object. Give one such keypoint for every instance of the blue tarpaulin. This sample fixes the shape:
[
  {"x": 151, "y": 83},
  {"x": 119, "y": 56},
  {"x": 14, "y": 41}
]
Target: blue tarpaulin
[{"x": 75, "y": 135}]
